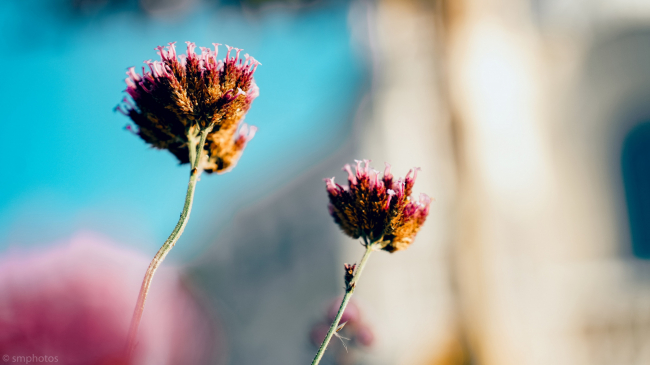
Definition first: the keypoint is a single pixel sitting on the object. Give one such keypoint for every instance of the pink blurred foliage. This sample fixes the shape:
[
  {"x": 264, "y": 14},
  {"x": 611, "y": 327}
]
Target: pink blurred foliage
[{"x": 74, "y": 300}]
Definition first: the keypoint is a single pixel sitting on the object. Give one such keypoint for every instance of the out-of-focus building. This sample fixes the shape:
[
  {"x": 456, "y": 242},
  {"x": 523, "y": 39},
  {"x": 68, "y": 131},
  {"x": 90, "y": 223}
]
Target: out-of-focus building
[{"x": 530, "y": 120}]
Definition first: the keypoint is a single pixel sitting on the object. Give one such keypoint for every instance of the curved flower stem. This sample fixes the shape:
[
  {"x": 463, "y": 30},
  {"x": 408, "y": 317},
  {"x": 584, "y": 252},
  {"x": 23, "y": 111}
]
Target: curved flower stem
[
  {"x": 346, "y": 299},
  {"x": 197, "y": 147}
]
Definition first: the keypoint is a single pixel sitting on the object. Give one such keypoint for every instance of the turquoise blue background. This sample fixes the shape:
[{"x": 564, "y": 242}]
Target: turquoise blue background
[{"x": 67, "y": 164}]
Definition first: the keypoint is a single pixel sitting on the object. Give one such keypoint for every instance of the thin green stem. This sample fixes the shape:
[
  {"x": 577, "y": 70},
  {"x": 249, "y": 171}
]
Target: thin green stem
[
  {"x": 171, "y": 240},
  {"x": 344, "y": 303}
]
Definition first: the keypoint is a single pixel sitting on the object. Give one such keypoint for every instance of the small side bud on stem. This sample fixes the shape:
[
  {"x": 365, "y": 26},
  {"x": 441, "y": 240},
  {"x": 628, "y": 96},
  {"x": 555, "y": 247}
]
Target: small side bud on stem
[{"x": 349, "y": 275}]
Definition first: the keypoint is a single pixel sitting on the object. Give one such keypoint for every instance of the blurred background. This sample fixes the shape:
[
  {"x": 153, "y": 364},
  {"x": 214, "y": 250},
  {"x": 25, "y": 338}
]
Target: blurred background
[{"x": 530, "y": 120}]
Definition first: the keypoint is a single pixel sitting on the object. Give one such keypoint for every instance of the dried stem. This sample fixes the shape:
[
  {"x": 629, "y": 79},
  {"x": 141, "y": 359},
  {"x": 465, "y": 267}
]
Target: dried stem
[
  {"x": 196, "y": 153},
  {"x": 344, "y": 303}
]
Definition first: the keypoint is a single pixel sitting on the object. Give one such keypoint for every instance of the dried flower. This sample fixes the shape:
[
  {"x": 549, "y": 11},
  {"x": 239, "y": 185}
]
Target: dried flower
[
  {"x": 182, "y": 95},
  {"x": 378, "y": 210}
]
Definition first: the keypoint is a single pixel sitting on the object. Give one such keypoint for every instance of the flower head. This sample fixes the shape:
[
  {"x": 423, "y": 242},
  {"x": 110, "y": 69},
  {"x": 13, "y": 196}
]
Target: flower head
[
  {"x": 378, "y": 209},
  {"x": 179, "y": 96}
]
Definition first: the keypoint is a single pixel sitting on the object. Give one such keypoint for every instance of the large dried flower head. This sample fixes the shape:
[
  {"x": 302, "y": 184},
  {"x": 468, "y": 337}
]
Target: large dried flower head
[
  {"x": 180, "y": 96},
  {"x": 378, "y": 209}
]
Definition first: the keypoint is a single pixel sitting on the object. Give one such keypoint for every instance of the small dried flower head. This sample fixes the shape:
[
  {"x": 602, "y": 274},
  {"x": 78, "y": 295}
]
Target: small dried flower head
[
  {"x": 378, "y": 209},
  {"x": 179, "y": 96}
]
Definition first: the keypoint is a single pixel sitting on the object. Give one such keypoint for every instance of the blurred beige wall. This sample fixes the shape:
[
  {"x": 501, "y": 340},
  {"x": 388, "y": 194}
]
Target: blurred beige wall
[
  {"x": 514, "y": 110},
  {"x": 404, "y": 122}
]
